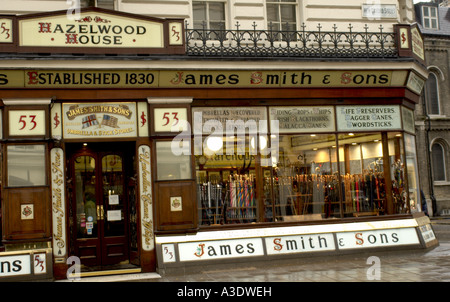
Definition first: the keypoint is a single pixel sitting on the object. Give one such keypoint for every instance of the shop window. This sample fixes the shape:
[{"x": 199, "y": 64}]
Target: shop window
[
  {"x": 210, "y": 13},
  {"x": 432, "y": 95},
  {"x": 430, "y": 17},
  {"x": 362, "y": 173},
  {"x": 282, "y": 16},
  {"x": 413, "y": 201},
  {"x": 85, "y": 186},
  {"x": 226, "y": 180},
  {"x": 438, "y": 162},
  {"x": 397, "y": 169},
  {"x": 26, "y": 165},
  {"x": 173, "y": 160},
  {"x": 303, "y": 183}
]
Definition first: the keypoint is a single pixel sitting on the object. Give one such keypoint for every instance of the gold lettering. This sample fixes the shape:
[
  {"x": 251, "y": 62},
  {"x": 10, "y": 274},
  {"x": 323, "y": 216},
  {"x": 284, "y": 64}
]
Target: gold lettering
[
  {"x": 146, "y": 197},
  {"x": 57, "y": 200}
]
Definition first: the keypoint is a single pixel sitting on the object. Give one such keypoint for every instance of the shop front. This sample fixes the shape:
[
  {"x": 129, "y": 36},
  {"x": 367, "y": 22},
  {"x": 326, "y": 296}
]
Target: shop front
[
  {"x": 286, "y": 181},
  {"x": 115, "y": 164}
]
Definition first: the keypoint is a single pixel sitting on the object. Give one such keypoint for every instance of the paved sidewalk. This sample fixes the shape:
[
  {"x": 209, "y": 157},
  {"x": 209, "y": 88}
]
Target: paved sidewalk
[{"x": 406, "y": 266}]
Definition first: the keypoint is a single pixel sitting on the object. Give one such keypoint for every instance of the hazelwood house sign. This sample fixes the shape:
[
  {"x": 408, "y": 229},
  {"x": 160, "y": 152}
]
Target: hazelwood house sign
[{"x": 96, "y": 31}]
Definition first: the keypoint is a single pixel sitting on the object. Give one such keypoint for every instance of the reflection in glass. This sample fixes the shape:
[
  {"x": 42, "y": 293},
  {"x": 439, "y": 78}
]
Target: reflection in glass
[
  {"x": 303, "y": 184},
  {"x": 397, "y": 165},
  {"x": 226, "y": 183},
  {"x": 362, "y": 175},
  {"x": 413, "y": 176},
  {"x": 172, "y": 162},
  {"x": 113, "y": 198},
  {"x": 26, "y": 165},
  {"x": 86, "y": 203}
]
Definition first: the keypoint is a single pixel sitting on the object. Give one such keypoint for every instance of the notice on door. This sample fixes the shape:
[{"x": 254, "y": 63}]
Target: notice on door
[
  {"x": 114, "y": 215},
  {"x": 113, "y": 199}
]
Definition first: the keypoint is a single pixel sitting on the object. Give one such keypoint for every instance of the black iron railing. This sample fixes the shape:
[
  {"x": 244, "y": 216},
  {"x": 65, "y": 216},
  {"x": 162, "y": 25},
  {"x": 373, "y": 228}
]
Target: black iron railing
[{"x": 270, "y": 43}]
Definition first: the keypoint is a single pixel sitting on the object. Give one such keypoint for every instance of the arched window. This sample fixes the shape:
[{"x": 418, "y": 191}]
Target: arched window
[
  {"x": 438, "y": 162},
  {"x": 432, "y": 94}
]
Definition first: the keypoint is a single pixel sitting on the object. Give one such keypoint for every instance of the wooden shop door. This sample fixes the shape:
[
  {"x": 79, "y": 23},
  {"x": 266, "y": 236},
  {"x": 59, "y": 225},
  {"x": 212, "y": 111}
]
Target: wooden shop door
[{"x": 100, "y": 209}]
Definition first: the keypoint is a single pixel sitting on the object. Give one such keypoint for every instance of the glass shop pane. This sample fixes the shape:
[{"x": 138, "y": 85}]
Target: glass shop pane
[
  {"x": 26, "y": 165},
  {"x": 172, "y": 161},
  {"x": 304, "y": 178}
]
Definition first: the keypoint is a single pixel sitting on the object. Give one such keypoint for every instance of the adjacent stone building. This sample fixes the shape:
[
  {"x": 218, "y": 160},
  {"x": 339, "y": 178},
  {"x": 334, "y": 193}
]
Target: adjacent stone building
[{"x": 433, "y": 112}]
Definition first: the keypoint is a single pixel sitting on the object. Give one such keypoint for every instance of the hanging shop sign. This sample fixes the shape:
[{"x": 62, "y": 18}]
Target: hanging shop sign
[
  {"x": 92, "y": 30},
  {"x": 146, "y": 200},
  {"x": 417, "y": 45},
  {"x": 200, "y": 79},
  {"x": 58, "y": 202},
  {"x": 410, "y": 41},
  {"x": 303, "y": 119},
  {"x": 102, "y": 120},
  {"x": 368, "y": 118}
]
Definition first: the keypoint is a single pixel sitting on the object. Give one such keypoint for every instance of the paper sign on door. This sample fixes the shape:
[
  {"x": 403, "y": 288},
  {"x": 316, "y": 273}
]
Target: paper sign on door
[
  {"x": 113, "y": 199},
  {"x": 114, "y": 215}
]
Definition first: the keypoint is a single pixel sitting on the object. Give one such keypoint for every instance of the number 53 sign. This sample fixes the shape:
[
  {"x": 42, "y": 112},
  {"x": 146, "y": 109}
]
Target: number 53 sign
[
  {"x": 26, "y": 122},
  {"x": 170, "y": 119}
]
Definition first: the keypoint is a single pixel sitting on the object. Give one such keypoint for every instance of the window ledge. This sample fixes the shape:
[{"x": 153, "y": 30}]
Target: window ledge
[
  {"x": 441, "y": 183},
  {"x": 437, "y": 117}
]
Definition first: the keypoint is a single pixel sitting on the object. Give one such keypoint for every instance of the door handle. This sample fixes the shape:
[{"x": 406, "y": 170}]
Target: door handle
[{"x": 100, "y": 212}]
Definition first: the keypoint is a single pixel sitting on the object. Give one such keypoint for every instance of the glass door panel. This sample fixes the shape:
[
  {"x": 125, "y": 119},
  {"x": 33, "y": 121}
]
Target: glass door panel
[
  {"x": 113, "y": 195},
  {"x": 85, "y": 195}
]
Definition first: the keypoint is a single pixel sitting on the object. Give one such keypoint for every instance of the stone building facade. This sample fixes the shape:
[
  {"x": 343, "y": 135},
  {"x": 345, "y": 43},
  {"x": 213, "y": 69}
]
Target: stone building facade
[{"x": 433, "y": 112}]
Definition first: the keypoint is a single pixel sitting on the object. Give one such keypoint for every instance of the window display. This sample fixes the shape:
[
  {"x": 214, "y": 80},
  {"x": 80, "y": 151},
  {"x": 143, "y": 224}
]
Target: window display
[
  {"x": 310, "y": 176},
  {"x": 226, "y": 183},
  {"x": 304, "y": 182},
  {"x": 362, "y": 173},
  {"x": 413, "y": 177}
]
